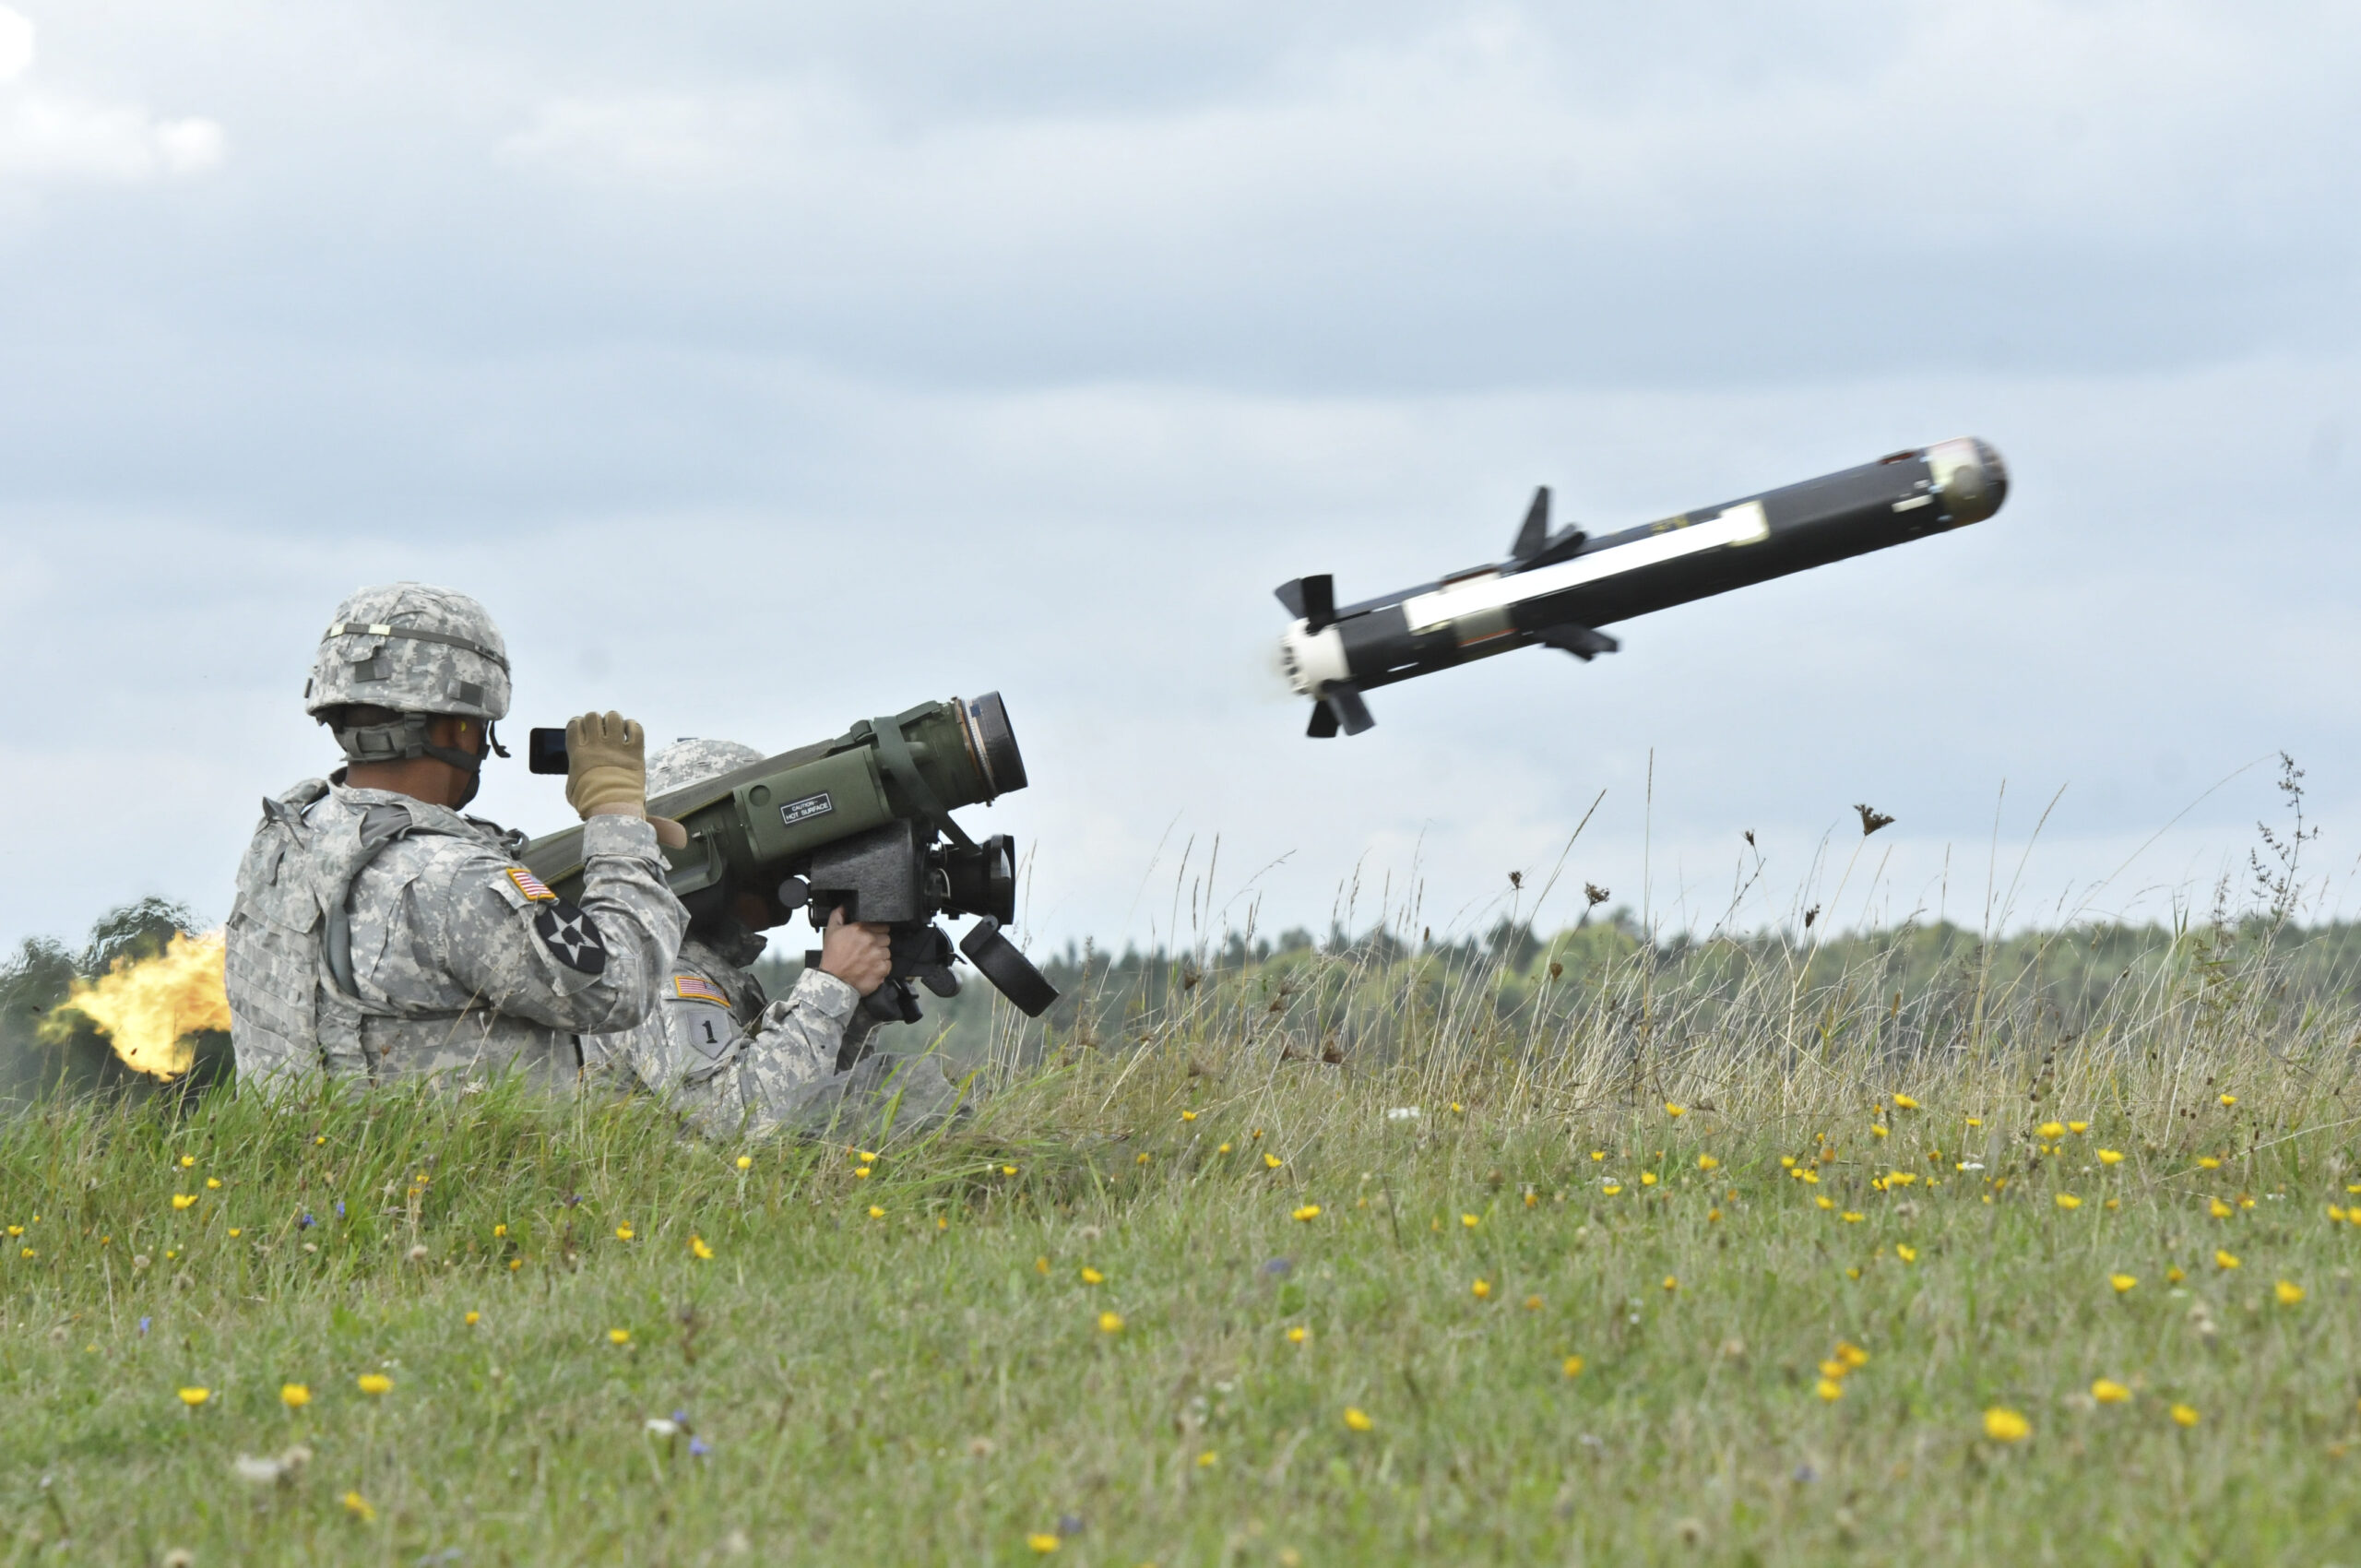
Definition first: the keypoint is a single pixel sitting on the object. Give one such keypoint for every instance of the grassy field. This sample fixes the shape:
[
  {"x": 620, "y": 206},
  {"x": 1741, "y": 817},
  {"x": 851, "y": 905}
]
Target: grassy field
[{"x": 1206, "y": 1299}]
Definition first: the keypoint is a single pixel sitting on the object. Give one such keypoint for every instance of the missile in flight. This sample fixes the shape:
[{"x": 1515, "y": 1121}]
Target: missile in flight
[{"x": 1558, "y": 588}]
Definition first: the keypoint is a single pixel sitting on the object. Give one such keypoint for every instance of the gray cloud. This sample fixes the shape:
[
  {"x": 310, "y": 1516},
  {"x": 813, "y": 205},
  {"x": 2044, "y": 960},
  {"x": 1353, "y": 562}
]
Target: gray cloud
[{"x": 764, "y": 367}]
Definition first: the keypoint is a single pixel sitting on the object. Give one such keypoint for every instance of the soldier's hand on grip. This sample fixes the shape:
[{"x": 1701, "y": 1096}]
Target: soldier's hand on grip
[
  {"x": 606, "y": 765},
  {"x": 862, "y": 955}
]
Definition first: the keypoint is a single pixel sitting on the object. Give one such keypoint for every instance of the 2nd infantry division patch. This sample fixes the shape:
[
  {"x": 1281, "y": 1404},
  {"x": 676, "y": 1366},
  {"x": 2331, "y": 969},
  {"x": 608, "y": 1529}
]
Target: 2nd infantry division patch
[
  {"x": 571, "y": 937},
  {"x": 532, "y": 886},
  {"x": 696, "y": 988}
]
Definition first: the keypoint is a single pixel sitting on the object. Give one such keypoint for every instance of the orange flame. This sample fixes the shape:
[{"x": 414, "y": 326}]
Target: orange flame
[{"x": 148, "y": 1007}]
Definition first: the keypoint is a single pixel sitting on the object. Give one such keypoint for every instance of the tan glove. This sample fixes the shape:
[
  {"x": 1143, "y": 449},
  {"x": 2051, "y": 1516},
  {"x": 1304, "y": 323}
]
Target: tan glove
[{"x": 606, "y": 765}]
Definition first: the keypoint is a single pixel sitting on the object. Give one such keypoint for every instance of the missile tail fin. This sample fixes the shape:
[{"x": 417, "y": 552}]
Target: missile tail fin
[
  {"x": 1536, "y": 532},
  {"x": 1319, "y": 602},
  {"x": 1340, "y": 708},
  {"x": 1580, "y": 641},
  {"x": 1290, "y": 594}
]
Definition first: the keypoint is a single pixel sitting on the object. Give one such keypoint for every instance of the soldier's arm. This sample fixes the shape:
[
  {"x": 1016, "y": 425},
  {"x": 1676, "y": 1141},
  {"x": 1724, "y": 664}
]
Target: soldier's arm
[
  {"x": 595, "y": 967},
  {"x": 727, "y": 1081}
]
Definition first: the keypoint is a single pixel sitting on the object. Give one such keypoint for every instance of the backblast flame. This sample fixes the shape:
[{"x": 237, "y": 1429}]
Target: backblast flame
[{"x": 148, "y": 1007}]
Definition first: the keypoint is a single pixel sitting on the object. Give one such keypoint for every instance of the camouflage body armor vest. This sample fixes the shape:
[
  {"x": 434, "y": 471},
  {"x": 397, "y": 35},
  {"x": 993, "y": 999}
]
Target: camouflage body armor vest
[{"x": 296, "y": 1005}]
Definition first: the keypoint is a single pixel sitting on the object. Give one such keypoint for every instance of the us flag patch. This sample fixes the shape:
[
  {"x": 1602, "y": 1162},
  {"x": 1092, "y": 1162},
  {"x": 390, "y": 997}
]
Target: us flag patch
[
  {"x": 696, "y": 988},
  {"x": 532, "y": 886}
]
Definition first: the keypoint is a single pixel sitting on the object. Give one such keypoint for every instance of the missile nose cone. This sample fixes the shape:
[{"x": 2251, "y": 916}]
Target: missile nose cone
[{"x": 1970, "y": 477}]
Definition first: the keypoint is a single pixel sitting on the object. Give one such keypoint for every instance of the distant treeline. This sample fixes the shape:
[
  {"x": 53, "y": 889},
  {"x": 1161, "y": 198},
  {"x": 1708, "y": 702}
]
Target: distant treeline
[
  {"x": 1933, "y": 983},
  {"x": 1376, "y": 996}
]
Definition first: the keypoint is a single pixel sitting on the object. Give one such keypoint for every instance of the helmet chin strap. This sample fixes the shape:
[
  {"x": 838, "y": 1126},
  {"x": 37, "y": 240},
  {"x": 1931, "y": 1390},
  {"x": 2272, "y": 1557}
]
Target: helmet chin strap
[{"x": 405, "y": 738}]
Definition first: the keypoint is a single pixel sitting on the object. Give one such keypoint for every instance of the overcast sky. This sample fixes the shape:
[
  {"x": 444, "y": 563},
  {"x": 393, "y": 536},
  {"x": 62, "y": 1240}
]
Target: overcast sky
[{"x": 764, "y": 366}]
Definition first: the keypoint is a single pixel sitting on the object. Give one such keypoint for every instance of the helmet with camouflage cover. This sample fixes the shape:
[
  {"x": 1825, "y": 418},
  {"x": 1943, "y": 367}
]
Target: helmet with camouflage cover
[
  {"x": 397, "y": 657},
  {"x": 688, "y": 761},
  {"x": 411, "y": 648}
]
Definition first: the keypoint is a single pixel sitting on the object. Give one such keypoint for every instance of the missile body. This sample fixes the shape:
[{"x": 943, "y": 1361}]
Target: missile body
[{"x": 1557, "y": 589}]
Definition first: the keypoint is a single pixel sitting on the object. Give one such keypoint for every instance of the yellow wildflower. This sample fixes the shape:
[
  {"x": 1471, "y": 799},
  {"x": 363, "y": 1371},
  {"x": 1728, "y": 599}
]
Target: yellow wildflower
[
  {"x": 1224, "y": 1149},
  {"x": 2224, "y": 1260},
  {"x": 1906, "y": 1252},
  {"x": 1110, "y": 1322},
  {"x": 1469, "y": 1221},
  {"x": 2173, "y": 1275},
  {"x": 1358, "y": 1419},
  {"x": 2106, "y": 1391},
  {"x": 2006, "y": 1426},
  {"x": 1531, "y": 1197},
  {"x": 499, "y": 1231},
  {"x": 1904, "y": 1102},
  {"x": 294, "y": 1395},
  {"x": 1707, "y": 1162},
  {"x": 1307, "y": 1212},
  {"x": 699, "y": 1250},
  {"x": 1139, "y": 1158},
  {"x": 2078, "y": 1128},
  {"x": 2184, "y": 1414},
  {"x": 1976, "y": 1121},
  {"x": 2219, "y": 1210},
  {"x": 1808, "y": 1178},
  {"x": 1188, "y": 1116},
  {"x": 1040, "y": 1266},
  {"x": 1599, "y": 1154},
  {"x": 745, "y": 1162},
  {"x": 184, "y": 1200},
  {"x": 192, "y": 1398},
  {"x": 619, "y": 1336},
  {"x": 1297, "y": 1334},
  {"x": 187, "y": 1160},
  {"x": 1481, "y": 1289},
  {"x": 2289, "y": 1292},
  {"x": 1671, "y": 1110},
  {"x": 374, "y": 1384},
  {"x": 1852, "y": 1355},
  {"x": 2052, "y": 1131},
  {"x": 1881, "y": 1130},
  {"x": 1834, "y": 1370},
  {"x": 1208, "y": 1459},
  {"x": 213, "y": 1183},
  {"x": 1041, "y": 1541},
  {"x": 1711, "y": 1215},
  {"x": 1533, "y": 1303},
  {"x": 515, "y": 1264},
  {"x": 1789, "y": 1160},
  {"x": 1572, "y": 1366},
  {"x": 2110, "y": 1157},
  {"x": 358, "y": 1506},
  {"x": 1611, "y": 1189},
  {"x": 1011, "y": 1169},
  {"x": 1852, "y": 1218},
  {"x": 622, "y": 1233},
  {"x": 2122, "y": 1282},
  {"x": 1671, "y": 1283},
  {"x": 474, "y": 1318},
  {"x": 1647, "y": 1178},
  {"x": 2228, "y": 1100},
  {"x": 877, "y": 1213},
  {"x": 860, "y": 1173},
  {"x": 2207, "y": 1162},
  {"x": 1824, "y": 1200},
  {"x": 1829, "y": 1388},
  {"x": 1092, "y": 1277},
  {"x": 1272, "y": 1162},
  {"x": 2067, "y": 1201}
]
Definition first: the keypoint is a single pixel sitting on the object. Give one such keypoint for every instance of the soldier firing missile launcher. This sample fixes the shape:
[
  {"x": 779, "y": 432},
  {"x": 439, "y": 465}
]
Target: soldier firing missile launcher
[{"x": 1557, "y": 589}]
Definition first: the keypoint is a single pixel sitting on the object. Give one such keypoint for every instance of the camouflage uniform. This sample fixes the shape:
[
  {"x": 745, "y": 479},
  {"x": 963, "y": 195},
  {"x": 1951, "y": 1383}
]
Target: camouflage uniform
[
  {"x": 376, "y": 936},
  {"x": 733, "y": 1062}
]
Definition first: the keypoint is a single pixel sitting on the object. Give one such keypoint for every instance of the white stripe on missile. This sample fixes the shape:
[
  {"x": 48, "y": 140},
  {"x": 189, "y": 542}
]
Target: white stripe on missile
[{"x": 1741, "y": 524}]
